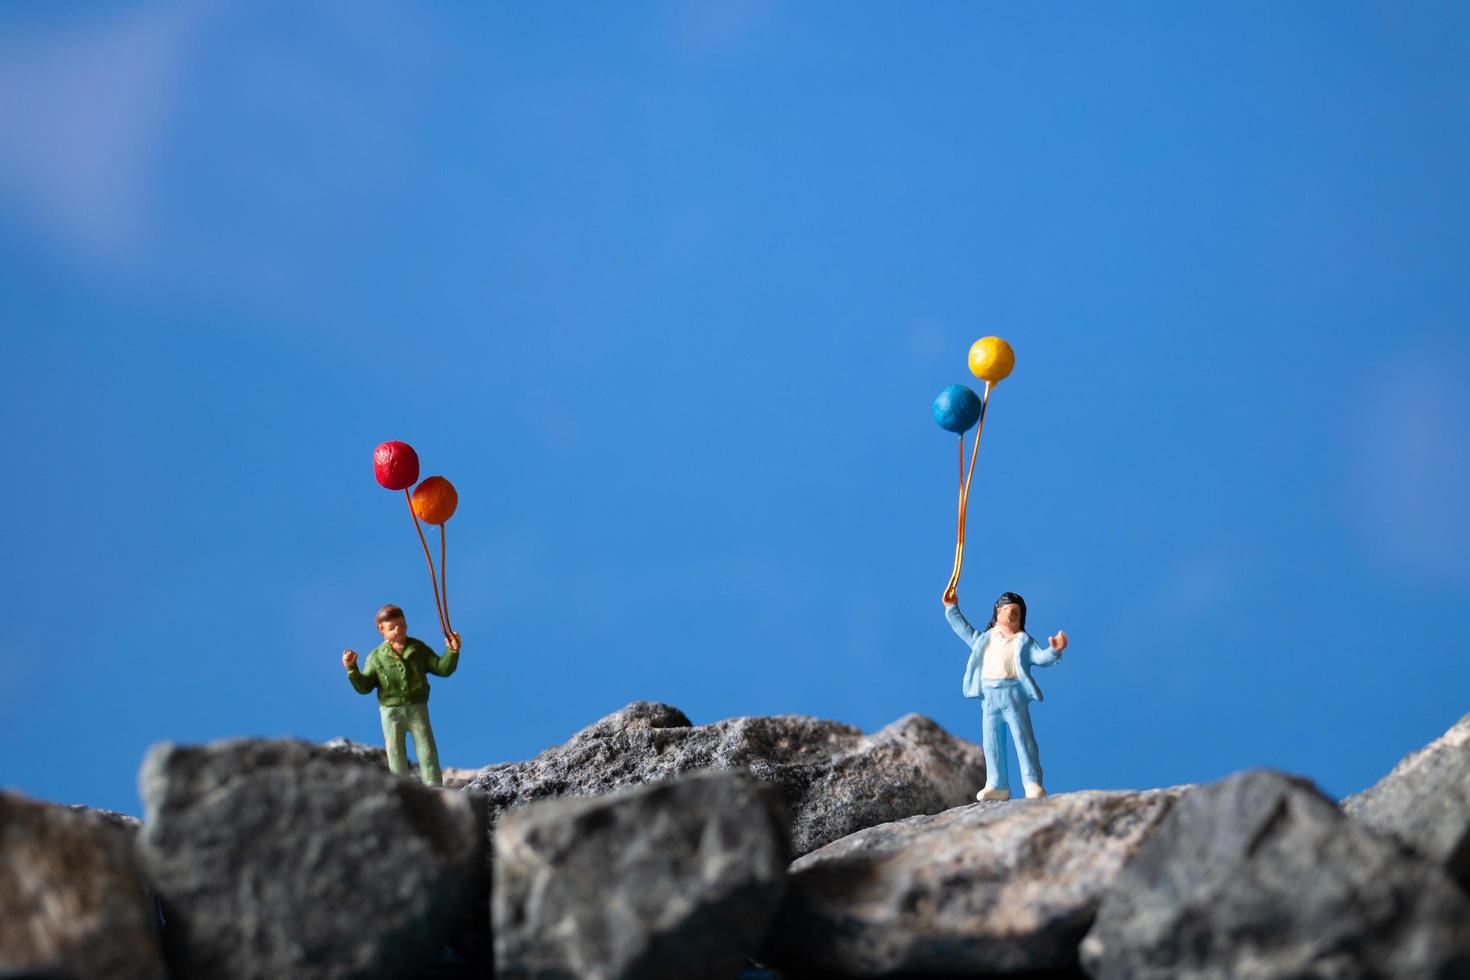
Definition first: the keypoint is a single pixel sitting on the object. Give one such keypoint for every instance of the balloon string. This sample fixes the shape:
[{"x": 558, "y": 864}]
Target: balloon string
[
  {"x": 950, "y": 592},
  {"x": 444, "y": 583},
  {"x": 427, "y": 557},
  {"x": 959, "y": 534}
]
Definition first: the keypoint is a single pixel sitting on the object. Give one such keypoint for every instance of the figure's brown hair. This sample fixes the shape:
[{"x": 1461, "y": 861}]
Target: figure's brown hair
[{"x": 388, "y": 612}]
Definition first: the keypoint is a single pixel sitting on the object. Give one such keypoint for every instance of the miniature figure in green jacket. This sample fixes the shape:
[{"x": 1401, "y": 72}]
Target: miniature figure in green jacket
[{"x": 397, "y": 669}]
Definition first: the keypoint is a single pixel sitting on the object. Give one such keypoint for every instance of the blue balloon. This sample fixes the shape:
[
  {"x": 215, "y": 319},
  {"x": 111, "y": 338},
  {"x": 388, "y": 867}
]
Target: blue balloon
[{"x": 957, "y": 409}]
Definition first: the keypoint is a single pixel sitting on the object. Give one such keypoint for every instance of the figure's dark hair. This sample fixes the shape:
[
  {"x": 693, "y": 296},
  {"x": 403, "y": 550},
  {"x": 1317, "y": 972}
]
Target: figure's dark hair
[
  {"x": 1008, "y": 598},
  {"x": 388, "y": 612}
]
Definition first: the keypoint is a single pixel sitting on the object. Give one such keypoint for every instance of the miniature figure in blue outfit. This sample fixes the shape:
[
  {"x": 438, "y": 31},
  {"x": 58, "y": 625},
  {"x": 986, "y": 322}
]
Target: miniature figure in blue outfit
[{"x": 999, "y": 673}]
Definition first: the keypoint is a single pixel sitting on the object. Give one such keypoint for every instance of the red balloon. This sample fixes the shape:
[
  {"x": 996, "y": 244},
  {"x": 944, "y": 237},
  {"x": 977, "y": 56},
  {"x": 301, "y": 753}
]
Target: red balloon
[{"x": 396, "y": 465}]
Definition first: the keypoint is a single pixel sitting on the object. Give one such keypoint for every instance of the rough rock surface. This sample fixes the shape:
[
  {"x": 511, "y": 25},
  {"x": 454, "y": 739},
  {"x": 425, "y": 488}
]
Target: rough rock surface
[
  {"x": 1425, "y": 801},
  {"x": 122, "y": 821},
  {"x": 285, "y": 859},
  {"x": 470, "y": 936},
  {"x": 989, "y": 887},
  {"x": 679, "y": 879},
  {"x": 71, "y": 902},
  {"x": 1260, "y": 875},
  {"x": 453, "y": 776},
  {"x": 834, "y": 779}
]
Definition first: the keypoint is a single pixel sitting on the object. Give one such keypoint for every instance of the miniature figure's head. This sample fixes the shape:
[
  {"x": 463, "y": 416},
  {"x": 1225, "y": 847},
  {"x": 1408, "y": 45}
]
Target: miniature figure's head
[
  {"x": 1010, "y": 612},
  {"x": 391, "y": 624}
]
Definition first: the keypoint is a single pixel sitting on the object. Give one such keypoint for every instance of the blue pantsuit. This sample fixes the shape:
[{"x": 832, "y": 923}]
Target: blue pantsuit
[
  {"x": 1006, "y": 703},
  {"x": 1007, "y": 706}
]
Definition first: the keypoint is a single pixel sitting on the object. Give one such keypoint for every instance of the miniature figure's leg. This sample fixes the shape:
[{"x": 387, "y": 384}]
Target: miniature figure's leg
[
  {"x": 1019, "y": 720},
  {"x": 993, "y": 741},
  {"x": 394, "y": 733},
  {"x": 423, "y": 745}
]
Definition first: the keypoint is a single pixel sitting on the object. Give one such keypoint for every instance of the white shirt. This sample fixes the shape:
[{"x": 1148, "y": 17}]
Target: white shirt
[{"x": 999, "y": 662}]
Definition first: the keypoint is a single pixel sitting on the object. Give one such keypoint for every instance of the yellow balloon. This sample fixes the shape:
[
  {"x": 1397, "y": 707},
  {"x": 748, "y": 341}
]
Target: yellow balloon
[{"x": 991, "y": 359}]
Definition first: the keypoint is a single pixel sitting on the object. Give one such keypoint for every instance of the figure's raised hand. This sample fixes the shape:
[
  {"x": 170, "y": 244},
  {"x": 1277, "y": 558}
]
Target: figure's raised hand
[
  {"x": 454, "y": 641},
  {"x": 951, "y": 598},
  {"x": 1058, "y": 642},
  {"x": 349, "y": 659}
]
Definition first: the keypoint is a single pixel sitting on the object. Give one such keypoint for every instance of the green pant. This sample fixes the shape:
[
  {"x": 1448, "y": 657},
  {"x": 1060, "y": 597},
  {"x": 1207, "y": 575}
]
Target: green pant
[{"x": 397, "y": 724}]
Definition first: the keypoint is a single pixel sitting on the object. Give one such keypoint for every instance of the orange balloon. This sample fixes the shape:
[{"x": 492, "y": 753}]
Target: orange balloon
[{"x": 434, "y": 500}]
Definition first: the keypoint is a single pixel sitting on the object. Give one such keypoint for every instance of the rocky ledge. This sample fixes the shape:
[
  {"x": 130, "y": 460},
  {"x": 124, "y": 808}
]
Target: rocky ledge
[
  {"x": 983, "y": 888},
  {"x": 833, "y": 779},
  {"x": 646, "y": 846},
  {"x": 1260, "y": 875},
  {"x": 1424, "y": 802}
]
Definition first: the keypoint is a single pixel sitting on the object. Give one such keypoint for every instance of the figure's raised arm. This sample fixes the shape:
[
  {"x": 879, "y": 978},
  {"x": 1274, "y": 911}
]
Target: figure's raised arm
[
  {"x": 444, "y": 666},
  {"x": 960, "y": 624},
  {"x": 363, "y": 681},
  {"x": 1050, "y": 652}
]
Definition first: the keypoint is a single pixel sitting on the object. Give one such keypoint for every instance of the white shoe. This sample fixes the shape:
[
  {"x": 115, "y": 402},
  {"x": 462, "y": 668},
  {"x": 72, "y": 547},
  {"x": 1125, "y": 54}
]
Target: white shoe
[
  {"x": 1035, "y": 791},
  {"x": 991, "y": 793}
]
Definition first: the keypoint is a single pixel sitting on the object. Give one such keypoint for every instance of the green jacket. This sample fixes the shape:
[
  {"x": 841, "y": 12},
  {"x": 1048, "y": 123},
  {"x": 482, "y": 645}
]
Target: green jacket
[{"x": 400, "y": 679}]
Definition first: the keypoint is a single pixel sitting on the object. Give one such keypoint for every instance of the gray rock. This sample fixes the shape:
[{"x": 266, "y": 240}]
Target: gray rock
[
  {"x": 985, "y": 888},
  {"x": 285, "y": 859},
  {"x": 1425, "y": 801},
  {"x": 122, "y": 821},
  {"x": 374, "y": 755},
  {"x": 834, "y": 779},
  {"x": 674, "y": 880},
  {"x": 1261, "y": 876},
  {"x": 71, "y": 902},
  {"x": 470, "y": 936}
]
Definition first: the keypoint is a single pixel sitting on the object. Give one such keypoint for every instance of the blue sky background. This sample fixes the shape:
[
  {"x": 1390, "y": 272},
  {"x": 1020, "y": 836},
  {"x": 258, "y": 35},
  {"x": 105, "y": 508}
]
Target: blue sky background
[{"x": 667, "y": 291}]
